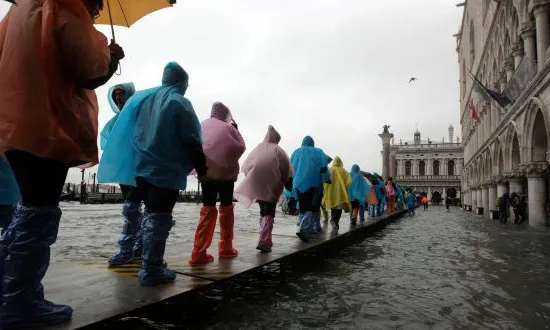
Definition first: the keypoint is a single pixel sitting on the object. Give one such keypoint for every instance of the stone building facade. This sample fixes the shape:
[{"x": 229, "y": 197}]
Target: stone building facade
[
  {"x": 427, "y": 166},
  {"x": 505, "y": 44}
]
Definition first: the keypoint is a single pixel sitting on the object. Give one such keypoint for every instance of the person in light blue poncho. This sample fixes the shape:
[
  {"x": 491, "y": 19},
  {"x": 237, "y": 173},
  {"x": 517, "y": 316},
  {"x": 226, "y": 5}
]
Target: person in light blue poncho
[
  {"x": 154, "y": 145},
  {"x": 310, "y": 173},
  {"x": 382, "y": 198},
  {"x": 358, "y": 192},
  {"x": 130, "y": 237}
]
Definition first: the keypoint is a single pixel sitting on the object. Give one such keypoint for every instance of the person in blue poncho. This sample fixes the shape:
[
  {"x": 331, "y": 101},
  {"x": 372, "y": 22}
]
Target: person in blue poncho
[
  {"x": 410, "y": 200},
  {"x": 358, "y": 193},
  {"x": 130, "y": 238},
  {"x": 382, "y": 199},
  {"x": 154, "y": 145},
  {"x": 310, "y": 173}
]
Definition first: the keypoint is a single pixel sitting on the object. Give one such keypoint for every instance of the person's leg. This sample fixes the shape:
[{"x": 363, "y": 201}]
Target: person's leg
[
  {"x": 268, "y": 214},
  {"x": 307, "y": 223},
  {"x": 362, "y": 212},
  {"x": 25, "y": 245},
  {"x": 335, "y": 215},
  {"x": 354, "y": 214},
  {"x": 227, "y": 220},
  {"x": 157, "y": 222},
  {"x": 128, "y": 241},
  {"x": 206, "y": 226}
]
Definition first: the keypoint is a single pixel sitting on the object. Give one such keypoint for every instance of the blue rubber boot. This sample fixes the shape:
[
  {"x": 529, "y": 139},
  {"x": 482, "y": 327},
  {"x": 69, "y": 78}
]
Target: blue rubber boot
[
  {"x": 138, "y": 245},
  {"x": 27, "y": 244},
  {"x": 307, "y": 226},
  {"x": 130, "y": 229},
  {"x": 155, "y": 230},
  {"x": 317, "y": 222}
]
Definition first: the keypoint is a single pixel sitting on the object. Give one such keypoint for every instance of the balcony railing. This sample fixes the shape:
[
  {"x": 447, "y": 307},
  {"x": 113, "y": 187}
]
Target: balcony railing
[{"x": 428, "y": 177}]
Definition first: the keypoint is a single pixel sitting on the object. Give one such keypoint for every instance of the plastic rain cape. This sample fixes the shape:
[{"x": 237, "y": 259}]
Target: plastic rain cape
[
  {"x": 307, "y": 162},
  {"x": 359, "y": 189},
  {"x": 267, "y": 168},
  {"x": 336, "y": 193},
  {"x": 130, "y": 90},
  {"x": 152, "y": 135}
]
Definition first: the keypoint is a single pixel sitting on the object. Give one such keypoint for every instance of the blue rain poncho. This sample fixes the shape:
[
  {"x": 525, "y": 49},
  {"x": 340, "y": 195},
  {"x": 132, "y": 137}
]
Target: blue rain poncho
[
  {"x": 9, "y": 190},
  {"x": 380, "y": 189},
  {"x": 307, "y": 162},
  {"x": 410, "y": 200},
  {"x": 130, "y": 90},
  {"x": 359, "y": 188},
  {"x": 153, "y": 136}
]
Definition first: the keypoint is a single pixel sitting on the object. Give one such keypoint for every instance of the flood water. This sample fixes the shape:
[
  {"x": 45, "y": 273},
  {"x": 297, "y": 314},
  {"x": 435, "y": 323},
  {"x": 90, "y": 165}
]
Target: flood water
[{"x": 437, "y": 270}]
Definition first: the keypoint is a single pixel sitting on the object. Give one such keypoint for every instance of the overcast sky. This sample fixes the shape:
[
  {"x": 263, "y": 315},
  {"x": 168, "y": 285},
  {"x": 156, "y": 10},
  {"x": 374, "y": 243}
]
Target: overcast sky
[{"x": 333, "y": 69}]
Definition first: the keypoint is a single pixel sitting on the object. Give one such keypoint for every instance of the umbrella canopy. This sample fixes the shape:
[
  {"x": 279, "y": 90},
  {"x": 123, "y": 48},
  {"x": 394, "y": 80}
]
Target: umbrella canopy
[
  {"x": 11, "y": 1},
  {"x": 127, "y": 12}
]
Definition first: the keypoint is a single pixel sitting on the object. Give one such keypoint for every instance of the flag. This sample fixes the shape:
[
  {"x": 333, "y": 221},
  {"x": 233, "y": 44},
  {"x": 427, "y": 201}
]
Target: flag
[
  {"x": 473, "y": 109},
  {"x": 500, "y": 98},
  {"x": 525, "y": 71}
]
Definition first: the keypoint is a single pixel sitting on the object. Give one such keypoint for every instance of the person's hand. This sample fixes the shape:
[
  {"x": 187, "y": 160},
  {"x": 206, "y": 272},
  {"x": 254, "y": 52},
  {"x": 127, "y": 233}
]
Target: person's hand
[{"x": 116, "y": 50}]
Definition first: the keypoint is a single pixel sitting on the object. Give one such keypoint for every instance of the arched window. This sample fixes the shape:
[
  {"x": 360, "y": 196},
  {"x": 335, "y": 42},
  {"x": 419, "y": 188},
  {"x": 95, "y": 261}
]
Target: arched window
[
  {"x": 451, "y": 167},
  {"x": 408, "y": 167},
  {"x": 421, "y": 168},
  {"x": 436, "y": 167}
]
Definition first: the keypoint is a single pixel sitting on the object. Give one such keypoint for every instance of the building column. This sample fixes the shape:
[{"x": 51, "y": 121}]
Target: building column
[
  {"x": 517, "y": 53},
  {"x": 485, "y": 200},
  {"x": 540, "y": 11},
  {"x": 537, "y": 192},
  {"x": 492, "y": 197},
  {"x": 516, "y": 181},
  {"x": 393, "y": 165},
  {"x": 480, "y": 198},
  {"x": 386, "y": 138},
  {"x": 502, "y": 188},
  {"x": 528, "y": 36}
]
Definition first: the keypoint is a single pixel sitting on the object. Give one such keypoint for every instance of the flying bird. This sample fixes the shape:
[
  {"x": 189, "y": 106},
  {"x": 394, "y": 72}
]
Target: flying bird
[{"x": 412, "y": 79}]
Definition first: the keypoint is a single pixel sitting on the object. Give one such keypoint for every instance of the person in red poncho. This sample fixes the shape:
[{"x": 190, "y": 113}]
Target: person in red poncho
[{"x": 51, "y": 60}]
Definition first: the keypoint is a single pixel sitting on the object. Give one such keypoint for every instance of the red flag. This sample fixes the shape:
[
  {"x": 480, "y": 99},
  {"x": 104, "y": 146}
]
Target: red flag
[{"x": 473, "y": 109}]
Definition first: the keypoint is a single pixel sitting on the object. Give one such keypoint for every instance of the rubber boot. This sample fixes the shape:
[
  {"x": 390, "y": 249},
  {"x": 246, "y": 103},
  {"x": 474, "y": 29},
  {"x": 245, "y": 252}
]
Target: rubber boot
[
  {"x": 130, "y": 228},
  {"x": 27, "y": 244},
  {"x": 227, "y": 221},
  {"x": 155, "y": 231},
  {"x": 354, "y": 215},
  {"x": 204, "y": 235},
  {"x": 265, "y": 243},
  {"x": 138, "y": 245},
  {"x": 307, "y": 226},
  {"x": 317, "y": 224},
  {"x": 362, "y": 213}
]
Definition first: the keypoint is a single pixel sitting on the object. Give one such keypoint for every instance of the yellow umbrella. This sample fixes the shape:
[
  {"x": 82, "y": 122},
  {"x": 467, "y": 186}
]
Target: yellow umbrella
[{"x": 127, "y": 12}]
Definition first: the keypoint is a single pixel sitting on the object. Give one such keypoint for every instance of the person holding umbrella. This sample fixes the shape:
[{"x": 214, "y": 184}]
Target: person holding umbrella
[{"x": 50, "y": 65}]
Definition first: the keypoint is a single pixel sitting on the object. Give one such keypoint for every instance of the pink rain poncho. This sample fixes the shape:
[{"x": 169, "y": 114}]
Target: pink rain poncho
[
  {"x": 267, "y": 169},
  {"x": 223, "y": 145}
]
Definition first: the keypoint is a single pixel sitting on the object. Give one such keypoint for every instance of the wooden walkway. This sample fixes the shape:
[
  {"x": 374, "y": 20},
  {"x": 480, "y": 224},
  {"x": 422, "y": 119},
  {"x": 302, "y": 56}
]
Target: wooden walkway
[{"x": 98, "y": 293}]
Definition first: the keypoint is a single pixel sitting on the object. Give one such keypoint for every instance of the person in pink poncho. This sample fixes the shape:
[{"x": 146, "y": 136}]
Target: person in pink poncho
[
  {"x": 223, "y": 145},
  {"x": 268, "y": 172}
]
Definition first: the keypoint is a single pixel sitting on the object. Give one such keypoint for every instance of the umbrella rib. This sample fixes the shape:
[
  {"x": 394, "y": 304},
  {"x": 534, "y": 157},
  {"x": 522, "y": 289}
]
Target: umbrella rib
[{"x": 123, "y": 14}]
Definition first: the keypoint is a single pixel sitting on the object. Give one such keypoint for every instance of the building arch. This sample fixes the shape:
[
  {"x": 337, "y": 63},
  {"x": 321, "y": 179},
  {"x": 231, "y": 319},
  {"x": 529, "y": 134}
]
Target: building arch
[
  {"x": 408, "y": 168},
  {"x": 421, "y": 168},
  {"x": 536, "y": 130}
]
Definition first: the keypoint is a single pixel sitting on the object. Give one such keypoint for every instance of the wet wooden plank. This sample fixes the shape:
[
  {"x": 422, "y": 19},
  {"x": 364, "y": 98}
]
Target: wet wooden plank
[{"x": 96, "y": 293}]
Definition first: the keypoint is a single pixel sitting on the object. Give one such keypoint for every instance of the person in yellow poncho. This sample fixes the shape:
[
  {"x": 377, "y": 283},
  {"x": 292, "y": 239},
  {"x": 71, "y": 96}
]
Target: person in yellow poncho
[{"x": 336, "y": 196}]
